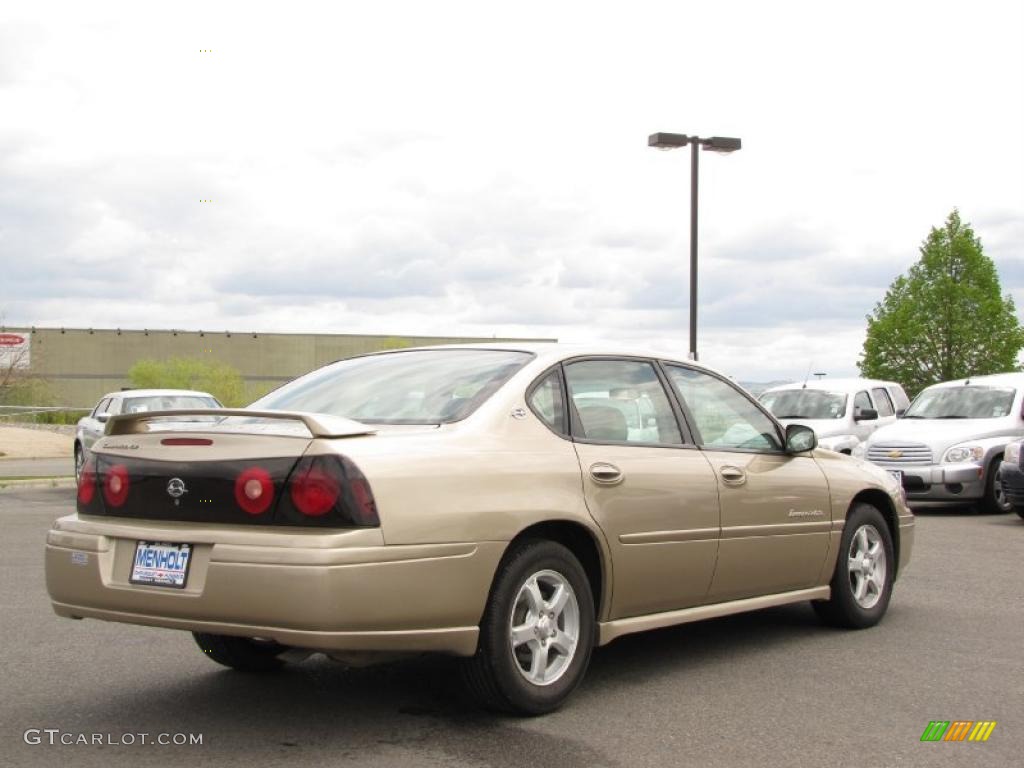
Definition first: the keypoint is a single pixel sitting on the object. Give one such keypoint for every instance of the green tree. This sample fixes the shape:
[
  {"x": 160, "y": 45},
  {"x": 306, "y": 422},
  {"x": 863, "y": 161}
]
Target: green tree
[
  {"x": 947, "y": 318},
  {"x": 219, "y": 379}
]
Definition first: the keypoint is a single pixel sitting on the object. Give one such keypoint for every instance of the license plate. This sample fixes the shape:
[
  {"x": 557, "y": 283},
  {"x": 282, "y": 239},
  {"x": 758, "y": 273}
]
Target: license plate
[
  {"x": 161, "y": 564},
  {"x": 898, "y": 474}
]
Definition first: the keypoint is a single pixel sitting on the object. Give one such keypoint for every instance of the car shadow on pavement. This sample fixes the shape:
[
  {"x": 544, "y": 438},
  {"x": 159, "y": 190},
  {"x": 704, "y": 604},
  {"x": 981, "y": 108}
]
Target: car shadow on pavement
[{"x": 404, "y": 708}]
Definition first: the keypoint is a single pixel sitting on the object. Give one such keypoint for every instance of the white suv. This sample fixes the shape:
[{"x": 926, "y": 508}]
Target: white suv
[
  {"x": 949, "y": 445},
  {"x": 842, "y": 412},
  {"x": 91, "y": 427}
]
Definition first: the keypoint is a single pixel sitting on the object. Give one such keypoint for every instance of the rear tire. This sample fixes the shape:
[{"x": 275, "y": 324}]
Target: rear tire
[
  {"x": 537, "y": 633},
  {"x": 995, "y": 501},
  {"x": 242, "y": 653},
  {"x": 863, "y": 578}
]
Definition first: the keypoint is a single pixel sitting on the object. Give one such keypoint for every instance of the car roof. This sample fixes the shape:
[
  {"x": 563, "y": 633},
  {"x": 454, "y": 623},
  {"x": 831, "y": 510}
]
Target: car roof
[
  {"x": 550, "y": 352},
  {"x": 157, "y": 393},
  {"x": 848, "y": 386},
  {"x": 991, "y": 380}
]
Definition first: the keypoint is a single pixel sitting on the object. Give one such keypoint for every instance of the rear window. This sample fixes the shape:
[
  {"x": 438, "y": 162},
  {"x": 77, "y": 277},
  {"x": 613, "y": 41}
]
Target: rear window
[
  {"x": 166, "y": 403},
  {"x": 415, "y": 387}
]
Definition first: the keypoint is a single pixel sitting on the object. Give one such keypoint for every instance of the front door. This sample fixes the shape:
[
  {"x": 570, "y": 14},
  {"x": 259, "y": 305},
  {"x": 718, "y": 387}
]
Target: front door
[{"x": 776, "y": 510}]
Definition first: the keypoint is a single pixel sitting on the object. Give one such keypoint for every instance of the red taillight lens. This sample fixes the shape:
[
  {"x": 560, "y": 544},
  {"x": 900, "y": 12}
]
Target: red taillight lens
[
  {"x": 314, "y": 492},
  {"x": 115, "y": 485},
  {"x": 87, "y": 482},
  {"x": 254, "y": 490}
]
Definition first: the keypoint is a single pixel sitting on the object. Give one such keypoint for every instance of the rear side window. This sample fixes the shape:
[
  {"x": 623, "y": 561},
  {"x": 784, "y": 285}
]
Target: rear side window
[
  {"x": 100, "y": 406},
  {"x": 547, "y": 402},
  {"x": 621, "y": 401},
  {"x": 899, "y": 397},
  {"x": 882, "y": 402}
]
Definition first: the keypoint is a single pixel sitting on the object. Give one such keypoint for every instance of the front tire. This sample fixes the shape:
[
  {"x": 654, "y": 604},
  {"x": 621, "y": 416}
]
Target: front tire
[
  {"x": 995, "y": 501},
  {"x": 865, "y": 568},
  {"x": 242, "y": 653},
  {"x": 537, "y": 633}
]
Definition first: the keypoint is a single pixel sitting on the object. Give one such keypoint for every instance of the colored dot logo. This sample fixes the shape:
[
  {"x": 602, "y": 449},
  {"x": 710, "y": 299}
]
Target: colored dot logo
[{"x": 205, "y": 200}]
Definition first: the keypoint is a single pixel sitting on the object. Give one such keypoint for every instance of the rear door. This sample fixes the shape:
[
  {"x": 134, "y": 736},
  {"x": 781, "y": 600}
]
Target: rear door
[
  {"x": 776, "y": 511},
  {"x": 645, "y": 483}
]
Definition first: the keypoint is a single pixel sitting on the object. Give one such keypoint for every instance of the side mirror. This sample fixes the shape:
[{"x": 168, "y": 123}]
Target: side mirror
[
  {"x": 800, "y": 439},
  {"x": 866, "y": 414},
  {"x": 900, "y": 412},
  {"x": 102, "y": 418}
]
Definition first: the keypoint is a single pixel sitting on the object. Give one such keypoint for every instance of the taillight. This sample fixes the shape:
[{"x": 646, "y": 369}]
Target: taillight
[
  {"x": 87, "y": 482},
  {"x": 115, "y": 485},
  {"x": 254, "y": 490},
  {"x": 328, "y": 491},
  {"x": 365, "y": 508},
  {"x": 314, "y": 491}
]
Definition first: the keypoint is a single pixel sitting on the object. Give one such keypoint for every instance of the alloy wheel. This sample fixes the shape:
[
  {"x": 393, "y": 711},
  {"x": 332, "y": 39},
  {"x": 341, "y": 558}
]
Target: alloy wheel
[
  {"x": 544, "y": 628},
  {"x": 867, "y": 566}
]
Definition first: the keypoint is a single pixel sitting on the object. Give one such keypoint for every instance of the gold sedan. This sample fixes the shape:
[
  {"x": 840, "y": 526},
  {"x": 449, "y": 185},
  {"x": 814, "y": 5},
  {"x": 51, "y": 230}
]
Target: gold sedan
[{"x": 514, "y": 505}]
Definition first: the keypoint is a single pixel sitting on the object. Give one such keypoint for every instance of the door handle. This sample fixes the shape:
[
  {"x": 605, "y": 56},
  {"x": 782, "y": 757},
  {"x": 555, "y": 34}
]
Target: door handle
[
  {"x": 733, "y": 475},
  {"x": 605, "y": 474}
]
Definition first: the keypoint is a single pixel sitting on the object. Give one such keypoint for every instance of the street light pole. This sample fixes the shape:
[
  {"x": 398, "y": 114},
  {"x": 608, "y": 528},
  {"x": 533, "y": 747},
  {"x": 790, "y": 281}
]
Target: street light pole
[
  {"x": 694, "y": 163},
  {"x": 720, "y": 144}
]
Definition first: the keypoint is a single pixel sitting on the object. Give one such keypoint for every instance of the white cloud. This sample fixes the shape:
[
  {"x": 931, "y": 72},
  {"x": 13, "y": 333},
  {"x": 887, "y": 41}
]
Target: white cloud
[{"x": 462, "y": 167}]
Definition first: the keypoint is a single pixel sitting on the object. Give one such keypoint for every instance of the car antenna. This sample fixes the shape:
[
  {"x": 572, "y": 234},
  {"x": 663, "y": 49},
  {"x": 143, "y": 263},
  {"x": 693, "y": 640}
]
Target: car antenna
[{"x": 808, "y": 374}]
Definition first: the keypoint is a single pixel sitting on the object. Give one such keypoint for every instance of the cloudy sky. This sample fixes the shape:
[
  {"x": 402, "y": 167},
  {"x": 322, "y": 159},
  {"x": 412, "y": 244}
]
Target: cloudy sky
[{"x": 481, "y": 168}]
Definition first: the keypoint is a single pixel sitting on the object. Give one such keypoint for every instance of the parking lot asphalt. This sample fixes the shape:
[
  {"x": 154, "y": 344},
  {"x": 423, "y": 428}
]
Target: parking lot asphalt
[{"x": 772, "y": 688}]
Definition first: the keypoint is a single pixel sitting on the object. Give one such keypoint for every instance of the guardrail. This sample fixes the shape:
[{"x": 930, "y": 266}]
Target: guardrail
[{"x": 46, "y": 414}]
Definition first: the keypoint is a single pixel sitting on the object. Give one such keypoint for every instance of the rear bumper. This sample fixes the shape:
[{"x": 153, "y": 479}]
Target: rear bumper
[
  {"x": 325, "y": 591},
  {"x": 946, "y": 483}
]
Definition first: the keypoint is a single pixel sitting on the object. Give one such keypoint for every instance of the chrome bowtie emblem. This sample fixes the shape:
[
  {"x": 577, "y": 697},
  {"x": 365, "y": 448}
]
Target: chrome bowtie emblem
[
  {"x": 176, "y": 488},
  {"x": 894, "y": 454}
]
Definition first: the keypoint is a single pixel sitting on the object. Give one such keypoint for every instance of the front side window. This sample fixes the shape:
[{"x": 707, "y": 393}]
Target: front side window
[
  {"x": 547, "y": 402},
  {"x": 805, "y": 404},
  {"x": 969, "y": 402},
  {"x": 883, "y": 402},
  {"x": 416, "y": 387},
  {"x": 725, "y": 418},
  {"x": 621, "y": 401}
]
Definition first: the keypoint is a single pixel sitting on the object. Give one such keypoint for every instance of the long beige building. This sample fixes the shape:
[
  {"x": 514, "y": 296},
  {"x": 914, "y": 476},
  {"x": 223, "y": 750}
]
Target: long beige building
[{"x": 82, "y": 364}]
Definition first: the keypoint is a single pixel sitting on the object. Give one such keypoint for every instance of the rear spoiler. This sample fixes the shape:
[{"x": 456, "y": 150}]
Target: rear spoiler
[{"x": 318, "y": 424}]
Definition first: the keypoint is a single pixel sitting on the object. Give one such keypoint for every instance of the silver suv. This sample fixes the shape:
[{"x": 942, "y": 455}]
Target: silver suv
[
  {"x": 842, "y": 412},
  {"x": 949, "y": 444}
]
